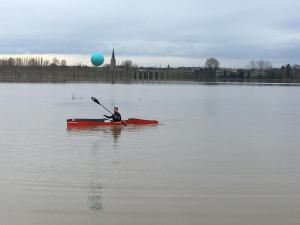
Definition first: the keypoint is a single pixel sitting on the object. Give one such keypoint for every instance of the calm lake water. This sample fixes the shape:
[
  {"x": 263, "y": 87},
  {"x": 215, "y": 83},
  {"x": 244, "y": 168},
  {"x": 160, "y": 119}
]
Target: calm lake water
[{"x": 223, "y": 155}]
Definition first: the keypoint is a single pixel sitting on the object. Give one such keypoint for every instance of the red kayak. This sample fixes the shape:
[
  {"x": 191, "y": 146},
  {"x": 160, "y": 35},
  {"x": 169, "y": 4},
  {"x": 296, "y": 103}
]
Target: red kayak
[{"x": 102, "y": 122}]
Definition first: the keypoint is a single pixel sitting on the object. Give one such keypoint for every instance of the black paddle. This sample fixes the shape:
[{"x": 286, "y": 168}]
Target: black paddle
[{"x": 97, "y": 101}]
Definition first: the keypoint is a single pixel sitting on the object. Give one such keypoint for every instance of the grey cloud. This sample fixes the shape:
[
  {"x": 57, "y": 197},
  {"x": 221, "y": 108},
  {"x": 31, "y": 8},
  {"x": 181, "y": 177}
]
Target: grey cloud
[{"x": 193, "y": 28}]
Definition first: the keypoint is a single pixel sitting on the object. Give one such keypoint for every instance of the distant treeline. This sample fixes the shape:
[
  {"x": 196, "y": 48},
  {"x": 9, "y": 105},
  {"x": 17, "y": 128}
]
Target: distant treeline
[
  {"x": 32, "y": 61},
  {"x": 256, "y": 70},
  {"x": 38, "y": 69}
]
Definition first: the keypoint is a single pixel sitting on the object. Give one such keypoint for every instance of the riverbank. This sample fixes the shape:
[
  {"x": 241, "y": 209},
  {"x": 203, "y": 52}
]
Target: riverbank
[{"x": 69, "y": 74}]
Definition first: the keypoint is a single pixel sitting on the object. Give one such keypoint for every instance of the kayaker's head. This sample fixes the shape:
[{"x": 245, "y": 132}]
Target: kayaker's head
[{"x": 116, "y": 109}]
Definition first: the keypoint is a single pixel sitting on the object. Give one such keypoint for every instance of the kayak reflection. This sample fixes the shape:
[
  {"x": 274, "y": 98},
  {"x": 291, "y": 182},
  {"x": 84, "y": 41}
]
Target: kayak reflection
[
  {"x": 113, "y": 131},
  {"x": 95, "y": 197}
]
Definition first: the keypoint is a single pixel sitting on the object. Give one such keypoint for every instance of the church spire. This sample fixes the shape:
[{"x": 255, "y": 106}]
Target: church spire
[{"x": 113, "y": 59}]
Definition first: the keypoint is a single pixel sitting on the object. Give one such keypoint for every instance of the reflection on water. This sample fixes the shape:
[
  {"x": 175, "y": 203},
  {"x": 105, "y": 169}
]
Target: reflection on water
[
  {"x": 255, "y": 83},
  {"x": 95, "y": 197},
  {"x": 115, "y": 132}
]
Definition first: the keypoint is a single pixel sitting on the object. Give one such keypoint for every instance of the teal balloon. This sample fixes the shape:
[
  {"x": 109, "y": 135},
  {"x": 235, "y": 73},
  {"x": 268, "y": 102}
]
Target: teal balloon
[{"x": 97, "y": 59}]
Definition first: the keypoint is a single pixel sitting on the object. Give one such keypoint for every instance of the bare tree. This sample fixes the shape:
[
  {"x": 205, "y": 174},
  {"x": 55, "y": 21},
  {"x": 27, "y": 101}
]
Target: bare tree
[
  {"x": 11, "y": 61},
  {"x": 288, "y": 70},
  {"x": 30, "y": 61},
  {"x": 46, "y": 62},
  {"x": 55, "y": 61},
  {"x": 63, "y": 62},
  {"x": 260, "y": 65},
  {"x": 127, "y": 63},
  {"x": 212, "y": 64},
  {"x": 252, "y": 64},
  {"x": 19, "y": 61}
]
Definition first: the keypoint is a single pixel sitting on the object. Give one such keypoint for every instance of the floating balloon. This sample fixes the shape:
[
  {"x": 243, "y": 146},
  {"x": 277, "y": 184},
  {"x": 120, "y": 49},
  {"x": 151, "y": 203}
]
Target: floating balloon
[{"x": 97, "y": 59}]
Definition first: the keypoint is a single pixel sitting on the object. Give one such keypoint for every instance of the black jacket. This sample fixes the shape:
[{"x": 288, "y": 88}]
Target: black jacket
[{"x": 115, "y": 117}]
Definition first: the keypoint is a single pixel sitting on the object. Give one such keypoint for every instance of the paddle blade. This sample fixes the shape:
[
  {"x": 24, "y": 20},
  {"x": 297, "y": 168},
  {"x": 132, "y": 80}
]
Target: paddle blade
[{"x": 95, "y": 100}]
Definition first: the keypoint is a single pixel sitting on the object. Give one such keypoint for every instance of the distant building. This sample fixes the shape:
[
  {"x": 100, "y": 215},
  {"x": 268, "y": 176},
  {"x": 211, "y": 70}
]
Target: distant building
[
  {"x": 297, "y": 67},
  {"x": 113, "y": 59},
  {"x": 257, "y": 74},
  {"x": 220, "y": 72}
]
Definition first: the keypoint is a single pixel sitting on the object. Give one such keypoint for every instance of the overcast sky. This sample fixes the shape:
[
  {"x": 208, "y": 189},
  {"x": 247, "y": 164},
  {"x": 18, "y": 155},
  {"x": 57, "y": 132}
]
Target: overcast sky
[{"x": 167, "y": 31}]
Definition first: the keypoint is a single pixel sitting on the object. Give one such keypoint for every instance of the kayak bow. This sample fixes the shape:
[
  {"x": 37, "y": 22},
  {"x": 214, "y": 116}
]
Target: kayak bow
[{"x": 101, "y": 122}]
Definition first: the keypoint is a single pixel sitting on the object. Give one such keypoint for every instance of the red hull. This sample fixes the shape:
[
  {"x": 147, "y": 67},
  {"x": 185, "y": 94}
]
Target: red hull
[{"x": 99, "y": 122}]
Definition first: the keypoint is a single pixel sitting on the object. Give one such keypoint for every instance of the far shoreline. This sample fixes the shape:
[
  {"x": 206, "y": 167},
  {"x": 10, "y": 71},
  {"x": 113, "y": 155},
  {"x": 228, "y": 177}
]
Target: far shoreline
[{"x": 124, "y": 74}]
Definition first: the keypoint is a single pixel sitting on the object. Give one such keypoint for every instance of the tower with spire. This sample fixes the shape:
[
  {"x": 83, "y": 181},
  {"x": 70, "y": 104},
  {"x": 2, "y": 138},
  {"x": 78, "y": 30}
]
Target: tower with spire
[{"x": 113, "y": 59}]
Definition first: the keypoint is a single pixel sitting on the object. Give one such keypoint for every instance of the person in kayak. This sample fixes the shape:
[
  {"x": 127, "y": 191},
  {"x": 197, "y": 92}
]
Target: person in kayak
[{"x": 116, "y": 117}]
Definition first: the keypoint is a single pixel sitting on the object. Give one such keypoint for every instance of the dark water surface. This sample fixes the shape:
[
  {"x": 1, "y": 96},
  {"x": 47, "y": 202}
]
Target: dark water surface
[{"x": 223, "y": 155}]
